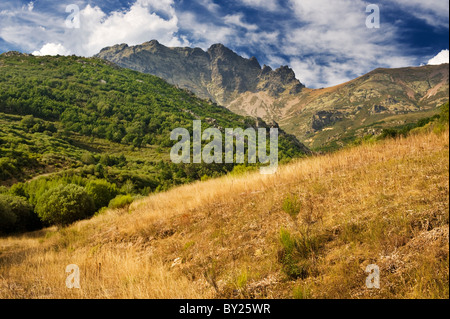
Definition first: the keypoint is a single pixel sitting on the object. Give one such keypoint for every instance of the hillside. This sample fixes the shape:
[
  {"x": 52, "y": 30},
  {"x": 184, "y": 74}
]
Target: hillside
[
  {"x": 381, "y": 99},
  {"x": 85, "y": 121},
  {"x": 82, "y": 100},
  {"x": 307, "y": 232},
  {"x": 323, "y": 119}
]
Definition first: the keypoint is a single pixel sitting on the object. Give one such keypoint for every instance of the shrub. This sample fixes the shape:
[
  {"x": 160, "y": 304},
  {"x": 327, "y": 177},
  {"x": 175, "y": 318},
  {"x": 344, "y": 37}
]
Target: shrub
[
  {"x": 88, "y": 159},
  {"x": 18, "y": 189},
  {"x": 288, "y": 256},
  {"x": 292, "y": 206},
  {"x": 444, "y": 116},
  {"x": 128, "y": 187},
  {"x": 26, "y": 219},
  {"x": 121, "y": 201},
  {"x": 102, "y": 192},
  {"x": 18, "y": 214},
  {"x": 298, "y": 253},
  {"x": 7, "y": 218},
  {"x": 64, "y": 205}
]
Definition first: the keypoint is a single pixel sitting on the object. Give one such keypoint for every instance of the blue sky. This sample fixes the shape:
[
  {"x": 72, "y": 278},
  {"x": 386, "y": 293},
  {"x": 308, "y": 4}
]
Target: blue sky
[{"x": 326, "y": 42}]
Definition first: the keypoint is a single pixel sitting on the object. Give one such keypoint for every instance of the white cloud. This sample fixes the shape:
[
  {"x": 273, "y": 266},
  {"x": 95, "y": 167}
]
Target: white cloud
[
  {"x": 138, "y": 24},
  {"x": 52, "y": 49},
  {"x": 134, "y": 26},
  {"x": 210, "y": 5},
  {"x": 334, "y": 45},
  {"x": 441, "y": 58},
  {"x": 433, "y": 12},
  {"x": 236, "y": 19},
  {"x": 269, "y": 5}
]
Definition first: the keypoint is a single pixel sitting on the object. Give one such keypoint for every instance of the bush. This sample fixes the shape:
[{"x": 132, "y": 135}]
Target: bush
[
  {"x": 121, "y": 201},
  {"x": 26, "y": 220},
  {"x": 292, "y": 206},
  {"x": 445, "y": 112},
  {"x": 102, "y": 192},
  {"x": 64, "y": 205},
  {"x": 298, "y": 253},
  {"x": 18, "y": 214},
  {"x": 289, "y": 258},
  {"x": 7, "y": 218},
  {"x": 18, "y": 189}
]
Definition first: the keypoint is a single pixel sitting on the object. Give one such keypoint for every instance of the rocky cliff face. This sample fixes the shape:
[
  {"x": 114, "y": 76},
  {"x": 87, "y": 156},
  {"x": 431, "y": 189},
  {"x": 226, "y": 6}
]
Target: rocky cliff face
[{"x": 218, "y": 74}]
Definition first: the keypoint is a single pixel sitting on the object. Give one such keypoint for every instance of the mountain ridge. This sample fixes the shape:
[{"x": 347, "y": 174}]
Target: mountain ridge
[{"x": 219, "y": 73}]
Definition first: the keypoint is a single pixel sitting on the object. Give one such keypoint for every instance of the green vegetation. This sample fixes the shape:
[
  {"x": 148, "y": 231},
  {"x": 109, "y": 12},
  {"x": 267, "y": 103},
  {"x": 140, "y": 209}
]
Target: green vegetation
[
  {"x": 121, "y": 201},
  {"x": 71, "y": 121},
  {"x": 292, "y": 206},
  {"x": 101, "y": 192},
  {"x": 64, "y": 205},
  {"x": 436, "y": 123},
  {"x": 298, "y": 253},
  {"x": 16, "y": 214}
]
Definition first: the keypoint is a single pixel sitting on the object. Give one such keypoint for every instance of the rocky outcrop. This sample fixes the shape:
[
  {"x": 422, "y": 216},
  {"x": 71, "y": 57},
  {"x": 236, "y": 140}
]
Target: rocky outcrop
[{"x": 218, "y": 74}]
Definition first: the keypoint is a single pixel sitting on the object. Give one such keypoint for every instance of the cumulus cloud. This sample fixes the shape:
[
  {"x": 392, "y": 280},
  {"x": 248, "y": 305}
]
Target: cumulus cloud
[
  {"x": 137, "y": 25},
  {"x": 204, "y": 33},
  {"x": 52, "y": 49},
  {"x": 441, "y": 58},
  {"x": 143, "y": 21}
]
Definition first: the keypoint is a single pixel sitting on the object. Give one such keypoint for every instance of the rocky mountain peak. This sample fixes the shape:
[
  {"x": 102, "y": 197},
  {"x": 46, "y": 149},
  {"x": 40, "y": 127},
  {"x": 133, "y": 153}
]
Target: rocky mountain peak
[{"x": 218, "y": 74}]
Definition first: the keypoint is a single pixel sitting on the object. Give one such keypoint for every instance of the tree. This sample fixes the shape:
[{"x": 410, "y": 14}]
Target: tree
[
  {"x": 88, "y": 159},
  {"x": 64, "y": 205},
  {"x": 25, "y": 218},
  {"x": 7, "y": 217},
  {"x": 102, "y": 192},
  {"x": 28, "y": 121}
]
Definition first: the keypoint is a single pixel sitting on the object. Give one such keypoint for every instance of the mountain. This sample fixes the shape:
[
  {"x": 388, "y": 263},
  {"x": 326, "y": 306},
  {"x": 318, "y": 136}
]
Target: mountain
[
  {"x": 218, "y": 74},
  {"x": 321, "y": 118},
  {"x": 381, "y": 99}
]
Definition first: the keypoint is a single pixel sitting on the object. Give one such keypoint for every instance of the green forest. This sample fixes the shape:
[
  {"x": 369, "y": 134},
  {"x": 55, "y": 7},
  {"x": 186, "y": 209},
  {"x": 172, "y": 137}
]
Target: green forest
[{"x": 80, "y": 134}]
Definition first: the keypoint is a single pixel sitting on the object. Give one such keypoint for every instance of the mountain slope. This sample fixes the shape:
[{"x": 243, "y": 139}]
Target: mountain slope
[
  {"x": 322, "y": 119},
  {"x": 87, "y": 103},
  {"x": 385, "y": 204},
  {"x": 380, "y": 99}
]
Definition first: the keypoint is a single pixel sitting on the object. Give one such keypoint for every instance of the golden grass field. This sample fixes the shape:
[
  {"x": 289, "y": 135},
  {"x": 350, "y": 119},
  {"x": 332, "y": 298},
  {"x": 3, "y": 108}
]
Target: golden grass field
[{"x": 384, "y": 204}]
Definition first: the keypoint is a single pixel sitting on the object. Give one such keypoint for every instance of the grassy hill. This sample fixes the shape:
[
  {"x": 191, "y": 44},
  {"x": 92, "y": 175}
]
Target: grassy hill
[
  {"x": 72, "y": 120},
  {"x": 309, "y": 231}
]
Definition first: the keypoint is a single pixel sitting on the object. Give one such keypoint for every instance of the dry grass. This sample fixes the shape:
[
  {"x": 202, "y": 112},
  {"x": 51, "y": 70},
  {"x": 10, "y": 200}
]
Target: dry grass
[{"x": 384, "y": 204}]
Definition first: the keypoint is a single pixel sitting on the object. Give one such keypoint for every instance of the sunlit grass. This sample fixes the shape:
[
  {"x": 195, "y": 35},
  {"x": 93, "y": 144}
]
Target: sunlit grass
[{"x": 384, "y": 204}]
